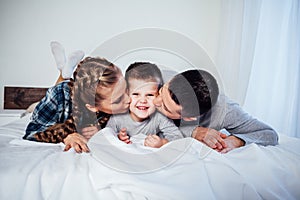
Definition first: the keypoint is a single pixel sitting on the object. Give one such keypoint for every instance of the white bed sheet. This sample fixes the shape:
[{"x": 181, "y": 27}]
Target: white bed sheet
[{"x": 183, "y": 169}]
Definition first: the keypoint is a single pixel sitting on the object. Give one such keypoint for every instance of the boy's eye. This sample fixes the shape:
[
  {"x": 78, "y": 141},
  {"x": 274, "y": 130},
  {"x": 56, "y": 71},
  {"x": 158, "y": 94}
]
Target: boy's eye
[
  {"x": 134, "y": 94},
  {"x": 150, "y": 95}
]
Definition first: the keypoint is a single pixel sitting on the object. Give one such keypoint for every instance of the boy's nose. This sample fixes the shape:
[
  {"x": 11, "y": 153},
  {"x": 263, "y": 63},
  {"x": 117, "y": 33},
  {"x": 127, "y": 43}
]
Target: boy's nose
[{"x": 143, "y": 100}]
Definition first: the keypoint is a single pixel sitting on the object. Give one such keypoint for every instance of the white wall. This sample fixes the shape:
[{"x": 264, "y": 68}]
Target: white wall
[{"x": 28, "y": 27}]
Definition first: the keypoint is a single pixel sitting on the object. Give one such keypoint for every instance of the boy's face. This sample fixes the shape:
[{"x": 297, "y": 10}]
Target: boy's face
[{"x": 142, "y": 94}]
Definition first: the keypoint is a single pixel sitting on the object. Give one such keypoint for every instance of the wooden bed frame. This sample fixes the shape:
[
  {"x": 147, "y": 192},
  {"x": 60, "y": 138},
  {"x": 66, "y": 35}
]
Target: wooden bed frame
[{"x": 22, "y": 97}]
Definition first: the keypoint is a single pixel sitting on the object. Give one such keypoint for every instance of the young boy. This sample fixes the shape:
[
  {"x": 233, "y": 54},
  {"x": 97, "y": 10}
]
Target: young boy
[{"x": 144, "y": 80}]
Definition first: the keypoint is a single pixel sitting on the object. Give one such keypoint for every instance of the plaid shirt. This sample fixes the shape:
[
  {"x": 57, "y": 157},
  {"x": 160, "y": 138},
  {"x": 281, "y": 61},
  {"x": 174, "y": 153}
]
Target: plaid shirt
[{"x": 54, "y": 108}]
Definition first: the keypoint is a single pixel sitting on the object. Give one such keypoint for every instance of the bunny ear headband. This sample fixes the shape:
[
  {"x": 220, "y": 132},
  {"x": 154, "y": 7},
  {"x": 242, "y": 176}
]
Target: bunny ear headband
[{"x": 65, "y": 66}]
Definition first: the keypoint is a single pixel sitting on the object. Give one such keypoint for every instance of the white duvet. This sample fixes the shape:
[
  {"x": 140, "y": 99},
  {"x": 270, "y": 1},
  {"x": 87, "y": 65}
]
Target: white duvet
[{"x": 183, "y": 169}]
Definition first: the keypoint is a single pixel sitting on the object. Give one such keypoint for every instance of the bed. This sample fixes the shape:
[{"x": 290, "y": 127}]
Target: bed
[{"x": 182, "y": 169}]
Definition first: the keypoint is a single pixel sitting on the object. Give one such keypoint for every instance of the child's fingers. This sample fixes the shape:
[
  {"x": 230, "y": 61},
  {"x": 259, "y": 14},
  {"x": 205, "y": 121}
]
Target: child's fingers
[
  {"x": 146, "y": 142},
  {"x": 155, "y": 137},
  {"x": 150, "y": 138},
  {"x": 123, "y": 137},
  {"x": 123, "y": 132},
  {"x": 149, "y": 141},
  {"x": 127, "y": 141}
]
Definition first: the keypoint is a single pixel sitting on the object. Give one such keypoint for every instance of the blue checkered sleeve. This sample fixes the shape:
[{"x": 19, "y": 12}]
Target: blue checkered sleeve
[{"x": 53, "y": 108}]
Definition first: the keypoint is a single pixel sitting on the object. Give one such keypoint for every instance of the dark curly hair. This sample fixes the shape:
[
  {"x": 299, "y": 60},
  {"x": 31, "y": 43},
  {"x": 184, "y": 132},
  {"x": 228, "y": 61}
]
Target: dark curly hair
[{"x": 195, "y": 90}]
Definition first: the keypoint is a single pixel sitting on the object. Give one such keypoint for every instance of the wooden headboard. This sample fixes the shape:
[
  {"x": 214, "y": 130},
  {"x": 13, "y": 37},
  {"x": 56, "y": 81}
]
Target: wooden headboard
[{"x": 22, "y": 97}]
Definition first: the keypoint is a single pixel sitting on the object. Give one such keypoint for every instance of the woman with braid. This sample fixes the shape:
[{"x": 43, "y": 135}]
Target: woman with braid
[{"x": 96, "y": 91}]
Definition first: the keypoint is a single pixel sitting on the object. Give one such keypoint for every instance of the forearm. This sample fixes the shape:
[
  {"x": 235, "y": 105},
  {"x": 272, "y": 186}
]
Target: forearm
[
  {"x": 263, "y": 137},
  {"x": 242, "y": 125},
  {"x": 32, "y": 129},
  {"x": 30, "y": 136},
  {"x": 187, "y": 130},
  {"x": 250, "y": 129},
  {"x": 50, "y": 136},
  {"x": 173, "y": 135},
  {"x": 47, "y": 136},
  {"x": 169, "y": 130},
  {"x": 54, "y": 134}
]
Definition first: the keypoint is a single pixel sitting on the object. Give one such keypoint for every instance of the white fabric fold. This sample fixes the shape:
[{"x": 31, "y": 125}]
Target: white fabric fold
[{"x": 182, "y": 169}]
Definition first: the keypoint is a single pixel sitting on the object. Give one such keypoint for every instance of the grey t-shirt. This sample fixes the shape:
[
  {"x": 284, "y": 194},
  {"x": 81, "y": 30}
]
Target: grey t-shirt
[
  {"x": 228, "y": 115},
  {"x": 155, "y": 124}
]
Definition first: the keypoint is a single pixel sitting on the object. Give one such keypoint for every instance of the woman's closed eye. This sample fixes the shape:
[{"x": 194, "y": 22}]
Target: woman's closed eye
[{"x": 118, "y": 100}]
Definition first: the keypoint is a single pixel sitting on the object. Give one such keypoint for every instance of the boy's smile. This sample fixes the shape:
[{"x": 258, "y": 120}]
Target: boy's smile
[{"x": 142, "y": 94}]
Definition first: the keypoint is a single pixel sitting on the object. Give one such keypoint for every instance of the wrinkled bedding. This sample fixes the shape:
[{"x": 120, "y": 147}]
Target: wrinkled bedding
[{"x": 182, "y": 169}]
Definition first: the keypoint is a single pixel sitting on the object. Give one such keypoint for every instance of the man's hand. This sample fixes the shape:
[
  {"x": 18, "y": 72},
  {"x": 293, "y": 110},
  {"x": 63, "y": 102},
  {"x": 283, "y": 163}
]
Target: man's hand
[
  {"x": 232, "y": 142},
  {"x": 76, "y": 141},
  {"x": 89, "y": 131},
  {"x": 123, "y": 136},
  {"x": 154, "y": 141},
  {"x": 212, "y": 138}
]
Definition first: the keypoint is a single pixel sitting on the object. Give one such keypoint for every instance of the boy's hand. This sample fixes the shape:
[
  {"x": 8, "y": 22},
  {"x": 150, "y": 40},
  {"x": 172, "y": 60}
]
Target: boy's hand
[
  {"x": 122, "y": 135},
  {"x": 154, "y": 141}
]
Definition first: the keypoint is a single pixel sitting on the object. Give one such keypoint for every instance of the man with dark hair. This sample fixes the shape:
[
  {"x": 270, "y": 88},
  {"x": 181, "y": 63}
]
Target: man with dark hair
[{"x": 192, "y": 98}]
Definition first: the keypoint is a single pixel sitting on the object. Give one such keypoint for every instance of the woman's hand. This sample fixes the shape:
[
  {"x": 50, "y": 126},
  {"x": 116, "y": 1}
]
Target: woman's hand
[
  {"x": 89, "y": 131},
  {"x": 76, "y": 141},
  {"x": 154, "y": 141},
  {"x": 212, "y": 138}
]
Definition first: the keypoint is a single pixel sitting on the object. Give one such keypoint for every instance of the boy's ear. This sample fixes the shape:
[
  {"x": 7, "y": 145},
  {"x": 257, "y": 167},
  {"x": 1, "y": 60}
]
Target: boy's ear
[
  {"x": 188, "y": 119},
  {"x": 91, "y": 108}
]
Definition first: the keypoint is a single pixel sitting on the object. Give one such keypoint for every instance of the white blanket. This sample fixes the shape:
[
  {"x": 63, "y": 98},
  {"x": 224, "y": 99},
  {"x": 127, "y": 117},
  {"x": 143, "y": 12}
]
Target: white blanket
[{"x": 183, "y": 169}]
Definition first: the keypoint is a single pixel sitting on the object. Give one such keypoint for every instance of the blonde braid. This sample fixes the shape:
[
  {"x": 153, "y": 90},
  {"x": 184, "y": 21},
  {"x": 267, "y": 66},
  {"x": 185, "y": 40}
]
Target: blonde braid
[
  {"x": 91, "y": 74},
  {"x": 56, "y": 133}
]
